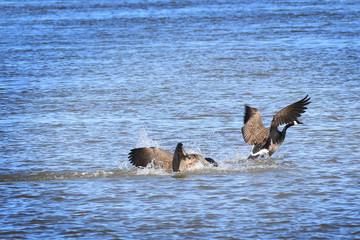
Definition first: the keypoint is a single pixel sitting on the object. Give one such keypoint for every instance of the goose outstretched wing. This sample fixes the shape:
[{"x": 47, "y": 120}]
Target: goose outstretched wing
[{"x": 290, "y": 113}]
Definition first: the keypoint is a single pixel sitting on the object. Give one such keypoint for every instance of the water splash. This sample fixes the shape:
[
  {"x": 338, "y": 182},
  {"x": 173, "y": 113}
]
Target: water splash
[
  {"x": 144, "y": 139},
  {"x": 193, "y": 150}
]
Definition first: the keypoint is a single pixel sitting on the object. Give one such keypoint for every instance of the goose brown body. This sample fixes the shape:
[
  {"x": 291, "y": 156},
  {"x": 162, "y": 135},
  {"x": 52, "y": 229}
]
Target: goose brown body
[
  {"x": 268, "y": 140},
  {"x": 159, "y": 158}
]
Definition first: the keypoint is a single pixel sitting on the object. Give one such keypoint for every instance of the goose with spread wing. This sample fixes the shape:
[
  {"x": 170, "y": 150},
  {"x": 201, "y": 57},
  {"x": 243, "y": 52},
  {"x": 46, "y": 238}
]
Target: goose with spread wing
[
  {"x": 159, "y": 158},
  {"x": 268, "y": 140}
]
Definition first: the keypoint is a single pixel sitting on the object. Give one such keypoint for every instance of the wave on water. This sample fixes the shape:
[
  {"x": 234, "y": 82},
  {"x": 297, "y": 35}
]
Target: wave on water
[
  {"x": 58, "y": 175},
  {"x": 234, "y": 166}
]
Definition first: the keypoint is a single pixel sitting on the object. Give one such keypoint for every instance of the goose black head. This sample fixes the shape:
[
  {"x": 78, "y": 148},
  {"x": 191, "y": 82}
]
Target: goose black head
[{"x": 211, "y": 161}]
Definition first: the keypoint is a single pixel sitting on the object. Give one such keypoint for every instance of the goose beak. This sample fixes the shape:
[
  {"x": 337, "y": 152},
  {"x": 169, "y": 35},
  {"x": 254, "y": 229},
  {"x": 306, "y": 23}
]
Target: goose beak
[{"x": 298, "y": 122}]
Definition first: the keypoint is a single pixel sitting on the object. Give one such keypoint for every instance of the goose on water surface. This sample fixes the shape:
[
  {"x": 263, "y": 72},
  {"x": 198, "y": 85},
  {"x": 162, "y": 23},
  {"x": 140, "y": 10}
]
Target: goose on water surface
[
  {"x": 177, "y": 162},
  {"x": 268, "y": 140}
]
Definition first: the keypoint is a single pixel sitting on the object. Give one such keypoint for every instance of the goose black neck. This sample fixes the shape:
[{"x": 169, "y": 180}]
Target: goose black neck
[{"x": 287, "y": 126}]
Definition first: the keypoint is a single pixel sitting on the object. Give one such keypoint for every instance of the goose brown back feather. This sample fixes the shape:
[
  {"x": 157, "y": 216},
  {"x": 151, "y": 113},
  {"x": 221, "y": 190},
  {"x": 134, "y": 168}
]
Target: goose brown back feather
[
  {"x": 253, "y": 130},
  {"x": 183, "y": 161}
]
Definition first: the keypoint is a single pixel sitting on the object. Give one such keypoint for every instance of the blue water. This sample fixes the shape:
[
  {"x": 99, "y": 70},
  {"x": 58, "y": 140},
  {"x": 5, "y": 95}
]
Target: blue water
[{"x": 83, "y": 83}]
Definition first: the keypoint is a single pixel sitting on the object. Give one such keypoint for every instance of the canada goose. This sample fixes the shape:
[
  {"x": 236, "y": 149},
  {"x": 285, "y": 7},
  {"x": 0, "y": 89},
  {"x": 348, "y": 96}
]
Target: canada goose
[
  {"x": 179, "y": 161},
  {"x": 268, "y": 140}
]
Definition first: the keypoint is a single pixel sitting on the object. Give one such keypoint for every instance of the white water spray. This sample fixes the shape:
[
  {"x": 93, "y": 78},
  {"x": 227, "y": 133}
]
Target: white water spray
[{"x": 144, "y": 140}]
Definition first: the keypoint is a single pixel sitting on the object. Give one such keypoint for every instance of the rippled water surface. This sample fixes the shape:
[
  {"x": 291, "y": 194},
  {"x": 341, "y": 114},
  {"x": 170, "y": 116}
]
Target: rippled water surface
[{"x": 83, "y": 83}]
